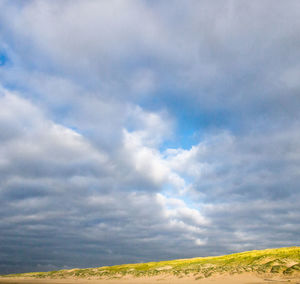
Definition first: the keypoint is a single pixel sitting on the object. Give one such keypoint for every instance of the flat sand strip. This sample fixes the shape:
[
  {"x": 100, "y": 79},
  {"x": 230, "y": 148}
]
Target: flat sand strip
[{"x": 249, "y": 279}]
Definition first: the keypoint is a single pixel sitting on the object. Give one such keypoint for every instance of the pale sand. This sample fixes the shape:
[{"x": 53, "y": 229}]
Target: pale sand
[{"x": 235, "y": 279}]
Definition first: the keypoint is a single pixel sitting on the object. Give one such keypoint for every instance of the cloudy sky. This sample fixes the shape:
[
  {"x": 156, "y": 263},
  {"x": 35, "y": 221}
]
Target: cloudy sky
[{"x": 140, "y": 130}]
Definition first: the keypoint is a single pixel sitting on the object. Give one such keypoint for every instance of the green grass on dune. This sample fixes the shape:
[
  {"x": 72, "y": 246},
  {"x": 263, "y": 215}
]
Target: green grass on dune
[{"x": 282, "y": 262}]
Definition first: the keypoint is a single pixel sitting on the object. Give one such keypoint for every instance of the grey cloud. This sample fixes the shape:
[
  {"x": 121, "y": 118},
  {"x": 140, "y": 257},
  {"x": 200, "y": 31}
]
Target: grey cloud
[
  {"x": 225, "y": 167},
  {"x": 234, "y": 57},
  {"x": 61, "y": 197},
  {"x": 247, "y": 186}
]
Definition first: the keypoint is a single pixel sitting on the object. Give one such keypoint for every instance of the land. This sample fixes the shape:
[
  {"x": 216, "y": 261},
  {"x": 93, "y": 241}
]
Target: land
[{"x": 260, "y": 266}]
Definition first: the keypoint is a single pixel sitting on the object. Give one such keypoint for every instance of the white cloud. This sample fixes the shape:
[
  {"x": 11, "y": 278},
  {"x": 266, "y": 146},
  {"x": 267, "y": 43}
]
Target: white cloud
[
  {"x": 181, "y": 214},
  {"x": 200, "y": 242},
  {"x": 146, "y": 161}
]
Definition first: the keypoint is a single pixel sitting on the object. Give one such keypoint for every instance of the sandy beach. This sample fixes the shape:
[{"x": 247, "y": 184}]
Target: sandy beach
[{"x": 236, "y": 279}]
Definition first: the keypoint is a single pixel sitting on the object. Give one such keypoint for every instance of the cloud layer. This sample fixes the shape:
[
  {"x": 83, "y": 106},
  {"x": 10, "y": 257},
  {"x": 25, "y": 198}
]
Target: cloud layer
[{"x": 136, "y": 131}]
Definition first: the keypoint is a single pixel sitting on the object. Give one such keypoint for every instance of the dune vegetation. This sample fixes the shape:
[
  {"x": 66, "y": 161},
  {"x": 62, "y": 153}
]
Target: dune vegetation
[{"x": 282, "y": 262}]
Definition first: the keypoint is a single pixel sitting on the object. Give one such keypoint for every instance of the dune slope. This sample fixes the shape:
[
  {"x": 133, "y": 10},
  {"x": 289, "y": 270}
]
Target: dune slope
[{"x": 274, "y": 263}]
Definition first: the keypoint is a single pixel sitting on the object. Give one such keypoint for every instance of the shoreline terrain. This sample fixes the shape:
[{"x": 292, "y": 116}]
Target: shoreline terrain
[{"x": 259, "y": 266}]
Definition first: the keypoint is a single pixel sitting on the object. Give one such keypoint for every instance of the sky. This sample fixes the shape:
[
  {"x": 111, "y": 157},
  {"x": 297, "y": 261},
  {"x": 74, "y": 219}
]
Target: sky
[{"x": 139, "y": 130}]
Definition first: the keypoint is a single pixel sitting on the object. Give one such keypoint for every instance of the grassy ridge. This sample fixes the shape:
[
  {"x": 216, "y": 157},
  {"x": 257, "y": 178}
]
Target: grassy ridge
[{"x": 283, "y": 262}]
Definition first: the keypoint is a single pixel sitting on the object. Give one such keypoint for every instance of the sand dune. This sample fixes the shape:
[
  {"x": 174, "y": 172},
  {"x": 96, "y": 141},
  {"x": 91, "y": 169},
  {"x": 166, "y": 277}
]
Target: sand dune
[{"x": 264, "y": 266}]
